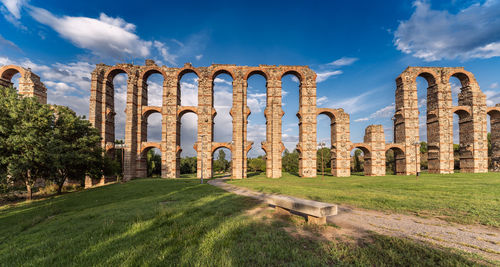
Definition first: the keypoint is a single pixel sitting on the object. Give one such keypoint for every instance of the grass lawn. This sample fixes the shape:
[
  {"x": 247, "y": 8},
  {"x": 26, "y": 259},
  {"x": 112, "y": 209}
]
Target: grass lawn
[
  {"x": 180, "y": 222},
  {"x": 460, "y": 197}
]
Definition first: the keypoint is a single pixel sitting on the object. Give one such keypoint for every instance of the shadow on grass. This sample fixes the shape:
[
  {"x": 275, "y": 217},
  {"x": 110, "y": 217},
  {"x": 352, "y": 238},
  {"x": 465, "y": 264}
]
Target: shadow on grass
[{"x": 178, "y": 222}]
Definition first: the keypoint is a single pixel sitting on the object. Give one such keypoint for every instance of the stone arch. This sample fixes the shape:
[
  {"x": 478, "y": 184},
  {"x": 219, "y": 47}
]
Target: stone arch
[
  {"x": 223, "y": 108},
  {"x": 187, "y": 69},
  {"x": 216, "y": 146},
  {"x": 29, "y": 83},
  {"x": 366, "y": 149},
  {"x": 186, "y": 109},
  {"x": 142, "y": 166},
  {"x": 399, "y": 157},
  {"x": 466, "y": 78},
  {"x": 293, "y": 72},
  {"x": 8, "y": 71},
  {"x": 254, "y": 71}
]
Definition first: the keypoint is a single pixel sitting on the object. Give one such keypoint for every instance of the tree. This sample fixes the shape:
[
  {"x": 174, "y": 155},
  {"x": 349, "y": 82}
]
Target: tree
[
  {"x": 153, "y": 163},
  {"x": 357, "y": 166},
  {"x": 188, "y": 165},
  {"x": 221, "y": 164},
  {"x": 290, "y": 161},
  {"x": 390, "y": 162},
  {"x": 74, "y": 148},
  {"x": 257, "y": 164},
  {"x": 323, "y": 158},
  {"x": 25, "y": 132}
]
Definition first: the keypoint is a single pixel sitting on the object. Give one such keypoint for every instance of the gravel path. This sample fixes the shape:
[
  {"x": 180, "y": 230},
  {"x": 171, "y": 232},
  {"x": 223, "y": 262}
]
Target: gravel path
[{"x": 471, "y": 238}]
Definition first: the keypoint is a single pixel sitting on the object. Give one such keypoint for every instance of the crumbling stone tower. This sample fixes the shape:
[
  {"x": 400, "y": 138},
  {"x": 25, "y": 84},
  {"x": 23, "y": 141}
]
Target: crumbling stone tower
[
  {"x": 471, "y": 109},
  {"x": 29, "y": 83}
]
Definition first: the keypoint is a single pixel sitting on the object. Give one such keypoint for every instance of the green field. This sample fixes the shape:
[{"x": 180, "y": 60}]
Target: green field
[
  {"x": 461, "y": 198},
  {"x": 180, "y": 222}
]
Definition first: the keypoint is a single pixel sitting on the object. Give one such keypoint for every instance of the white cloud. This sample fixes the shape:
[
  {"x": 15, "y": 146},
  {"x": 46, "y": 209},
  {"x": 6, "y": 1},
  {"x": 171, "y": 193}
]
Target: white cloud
[
  {"x": 353, "y": 104},
  {"x": 473, "y": 32},
  {"x": 494, "y": 85},
  {"x": 219, "y": 80},
  {"x": 343, "y": 61},
  {"x": 163, "y": 50},
  {"x": 322, "y": 100},
  {"x": 385, "y": 112},
  {"x": 14, "y": 7},
  {"x": 492, "y": 97},
  {"x": 323, "y": 76},
  {"x": 105, "y": 36},
  {"x": 198, "y": 57}
]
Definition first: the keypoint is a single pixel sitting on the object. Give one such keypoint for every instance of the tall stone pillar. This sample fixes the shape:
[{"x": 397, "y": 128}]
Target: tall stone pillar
[
  {"x": 375, "y": 162},
  {"x": 474, "y": 143},
  {"x": 131, "y": 127},
  {"x": 171, "y": 125},
  {"x": 495, "y": 139},
  {"x": 142, "y": 128},
  {"x": 341, "y": 143},
  {"x": 96, "y": 92},
  {"x": 439, "y": 128},
  {"x": 273, "y": 113},
  {"x": 406, "y": 129},
  {"x": 206, "y": 114},
  {"x": 238, "y": 117},
  {"x": 307, "y": 127}
]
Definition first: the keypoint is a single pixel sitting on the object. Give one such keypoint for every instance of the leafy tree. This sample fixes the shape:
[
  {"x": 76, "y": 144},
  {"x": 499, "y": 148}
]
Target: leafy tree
[
  {"x": 25, "y": 132},
  {"x": 323, "y": 158},
  {"x": 74, "y": 148},
  {"x": 153, "y": 163},
  {"x": 357, "y": 162},
  {"x": 290, "y": 161},
  {"x": 390, "y": 162},
  {"x": 423, "y": 147},
  {"x": 221, "y": 164},
  {"x": 188, "y": 165},
  {"x": 257, "y": 164}
]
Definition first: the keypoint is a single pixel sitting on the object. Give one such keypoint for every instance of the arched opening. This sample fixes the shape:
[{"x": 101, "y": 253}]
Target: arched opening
[
  {"x": 290, "y": 95},
  {"x": 359, "y": 163},
  {"x": 151, "y": 156},
  {"x": 325, "y": 138},
  {"x": 116, "y": 90},
  {"x": 153, "y": 122},
  {"x": 187, "y": 155},
  {"x": 256, "y": 128},
  {"x": 10, "y": 77},
  {"x": 154, "y": 82},
  {"x": 188, "y": 88},
  {"x": 119, "y": 89},
  {"x": 394, "y": 161},
  {"x": 222, "y": 102},
  {"x": 221, "y": 162},
  {"x": 427, "y": 122}
]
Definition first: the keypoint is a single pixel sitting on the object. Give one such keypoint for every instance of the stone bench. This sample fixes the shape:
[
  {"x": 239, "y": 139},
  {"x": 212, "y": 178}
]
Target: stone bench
[{"x": 315, "y": 212}]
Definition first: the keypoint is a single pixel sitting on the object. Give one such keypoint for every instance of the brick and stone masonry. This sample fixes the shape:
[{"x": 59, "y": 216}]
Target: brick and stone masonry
[{"x": 471, "y": 110}]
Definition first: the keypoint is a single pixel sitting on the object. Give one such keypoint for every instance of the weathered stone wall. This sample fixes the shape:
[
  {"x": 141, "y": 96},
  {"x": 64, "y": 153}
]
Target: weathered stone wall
[
  {"x": 471, "y": 110},
  {"x": 29, "y": 83},
  {"x": 137, "y": 111}
]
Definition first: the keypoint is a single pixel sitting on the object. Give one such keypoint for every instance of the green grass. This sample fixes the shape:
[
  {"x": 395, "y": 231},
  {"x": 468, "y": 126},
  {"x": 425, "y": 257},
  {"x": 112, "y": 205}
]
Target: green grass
[
  {"x": 180, "y": 222},
  {"x": 462, "y": 198}
]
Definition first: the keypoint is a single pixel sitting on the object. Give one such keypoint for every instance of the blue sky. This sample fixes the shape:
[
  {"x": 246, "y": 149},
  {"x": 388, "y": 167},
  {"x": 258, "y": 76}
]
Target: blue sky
[{"x": 357, "y": 49}]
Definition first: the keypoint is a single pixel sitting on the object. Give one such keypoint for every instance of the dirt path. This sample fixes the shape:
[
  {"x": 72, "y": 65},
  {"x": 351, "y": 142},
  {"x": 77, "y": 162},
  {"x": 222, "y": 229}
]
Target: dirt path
[{"x": 478, "y": 239}]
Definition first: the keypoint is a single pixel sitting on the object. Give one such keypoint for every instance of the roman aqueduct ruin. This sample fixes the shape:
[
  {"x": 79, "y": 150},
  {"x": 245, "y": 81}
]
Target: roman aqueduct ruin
[{"x": 472, "y": 111}]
